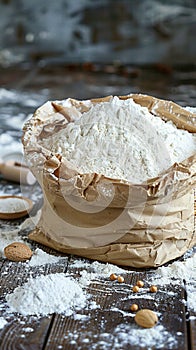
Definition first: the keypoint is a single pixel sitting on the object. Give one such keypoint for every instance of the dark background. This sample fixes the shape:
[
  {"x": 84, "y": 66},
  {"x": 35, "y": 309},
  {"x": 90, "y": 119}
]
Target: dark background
[
  {"x": 90, "y": 48},
  {"x": 129, "y": 31}
]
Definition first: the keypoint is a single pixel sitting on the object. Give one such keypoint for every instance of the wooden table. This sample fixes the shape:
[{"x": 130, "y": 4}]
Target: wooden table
[{"x": 98, "y": 330}]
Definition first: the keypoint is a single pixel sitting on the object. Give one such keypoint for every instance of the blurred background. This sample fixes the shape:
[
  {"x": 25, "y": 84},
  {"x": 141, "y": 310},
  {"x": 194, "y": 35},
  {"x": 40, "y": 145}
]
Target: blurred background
[{"x": 88, "y": 48}]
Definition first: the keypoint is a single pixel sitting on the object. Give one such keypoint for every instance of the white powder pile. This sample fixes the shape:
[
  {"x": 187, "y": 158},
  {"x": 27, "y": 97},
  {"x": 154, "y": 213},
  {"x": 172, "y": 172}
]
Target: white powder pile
[
  {"x": 3, "y": 322},
  {"x": 96, "y": 141},
  {"x": 12, "y": 205},
  {"x": 144, "y": 338},
  {"x": 41, "y": 258},
  {"x": 127, "y": 336},
  {"x": 95, "y": 270},
  {"x": 44, "y": 295},
  {"x": 178, "y": 272}
]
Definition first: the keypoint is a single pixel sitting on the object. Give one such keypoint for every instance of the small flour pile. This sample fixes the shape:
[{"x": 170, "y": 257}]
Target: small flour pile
[
  {"x": 3, "y": 322},
  {"x": 13, "y": 205},
  {"x": 122, "y": 140},
  {"x": 44, "y": 295},
  {"x": 127, "y": 335},
  {"x": 41, "y": 258},
  {"x": 176, "y": 273}
]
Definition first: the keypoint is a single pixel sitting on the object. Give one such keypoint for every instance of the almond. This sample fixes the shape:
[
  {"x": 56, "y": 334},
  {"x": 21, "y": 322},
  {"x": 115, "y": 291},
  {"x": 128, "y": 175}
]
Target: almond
[
  {"x": 18, "y": 251},
  {"x": 146, "y": 318}
]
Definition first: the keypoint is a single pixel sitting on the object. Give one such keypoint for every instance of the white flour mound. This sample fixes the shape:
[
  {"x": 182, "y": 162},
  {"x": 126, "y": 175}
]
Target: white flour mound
[
  {"x": 157, "y": 337},
  {"x": 44, "y": 295},
  {"x": 41, "y": 258},
  {"x": 176, "y": 273},
  {"x": 3, "y": 322},
  {"x": 96, "y": 270},
  {"x": 121, "y": 139},
  {"x": 13, "y": 205}
]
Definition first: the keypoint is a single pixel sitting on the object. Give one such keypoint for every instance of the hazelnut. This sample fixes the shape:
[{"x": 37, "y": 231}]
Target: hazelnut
[
  {"x": 113, "y": 277},
  {"x": 18, "y": 251},
  {"x": 134, "y": 307},
  {"x": 120, "y": 279},
  {"x": 153, "y": 289},
  {"x": 146, "y": 318},
  {"x": 135, "y": 289},
  {"x": 140, "y": 283}
]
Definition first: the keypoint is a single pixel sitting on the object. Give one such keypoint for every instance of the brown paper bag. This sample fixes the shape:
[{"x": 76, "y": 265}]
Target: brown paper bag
[{"x": 140, "y": 225}]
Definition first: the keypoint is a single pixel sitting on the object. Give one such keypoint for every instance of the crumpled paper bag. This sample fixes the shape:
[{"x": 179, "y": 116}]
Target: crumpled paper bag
[{"x": 112, "y": 220}]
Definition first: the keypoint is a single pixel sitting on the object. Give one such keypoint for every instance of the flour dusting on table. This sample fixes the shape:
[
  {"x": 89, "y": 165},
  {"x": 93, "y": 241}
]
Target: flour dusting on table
[
  {"x": 3, "y": 322},
  {"x": 41, "y": 258},
  {"x": 44, "y": 295}
]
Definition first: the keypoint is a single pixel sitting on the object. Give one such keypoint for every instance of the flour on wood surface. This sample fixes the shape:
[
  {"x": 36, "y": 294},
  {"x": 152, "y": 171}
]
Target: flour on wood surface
[
  {"x": 44, "y": 295},
  {"x": 124, "y": 336},
  {"x": 3, "y": 322},
  {"x": 177, "y": 273},
  {"x": 8, "y": 236},
  {"x": 42, "y": 258},
  {"x": 95, "y": 270},
  {"x": 122, "y": 140}
]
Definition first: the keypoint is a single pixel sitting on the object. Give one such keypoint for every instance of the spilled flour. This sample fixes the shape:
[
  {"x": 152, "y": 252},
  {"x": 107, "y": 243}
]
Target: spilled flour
[
  {"x": 69, "y": 296},
  {"x": 44, "y": 295},
  {"x": 96, "y": 270},
  {"x": 126, "y": 335},
  {"x": 42, "y": 258},
  {"x": 3, "y": 322},
  {"x": 177, "y": 273}
]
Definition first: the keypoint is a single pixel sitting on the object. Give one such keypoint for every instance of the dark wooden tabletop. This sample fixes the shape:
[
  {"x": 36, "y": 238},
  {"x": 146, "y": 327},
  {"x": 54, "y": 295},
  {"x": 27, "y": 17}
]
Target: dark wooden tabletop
[
  {"x": 98, "y": 330},
  {"x": 107, "y": 326}
]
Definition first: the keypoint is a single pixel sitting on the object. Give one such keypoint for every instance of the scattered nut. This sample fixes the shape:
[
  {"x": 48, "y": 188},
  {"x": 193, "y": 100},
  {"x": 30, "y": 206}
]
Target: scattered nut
[
  {"x": 120, "y": 279},
  {"x": 134, "y": 307},
  {"x": 113, "y": 277},
  {"x": 17, "y": 251},
  {"x": 135, "y": 289},
  {"x": 140, "y": 283},
  {"x": 146, "y": 318},
  {"x": 153, "y": 289}
]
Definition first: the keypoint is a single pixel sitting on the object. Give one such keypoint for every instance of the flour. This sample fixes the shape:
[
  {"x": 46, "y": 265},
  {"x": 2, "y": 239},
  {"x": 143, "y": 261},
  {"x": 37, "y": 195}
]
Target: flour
[
  {"x": 96, "y": 141},
  {"x": 42, "y": 258},
  {"x": 144, "y": 338},
  {"x": 178, "y": 272},
  {"x": 125, "y": 336},
  {"x": 3, "y": 322},
  {"x": 44, "y": 295},
  {"x": 95, "y": 270},
  {"x": 13, "y": 205}
]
